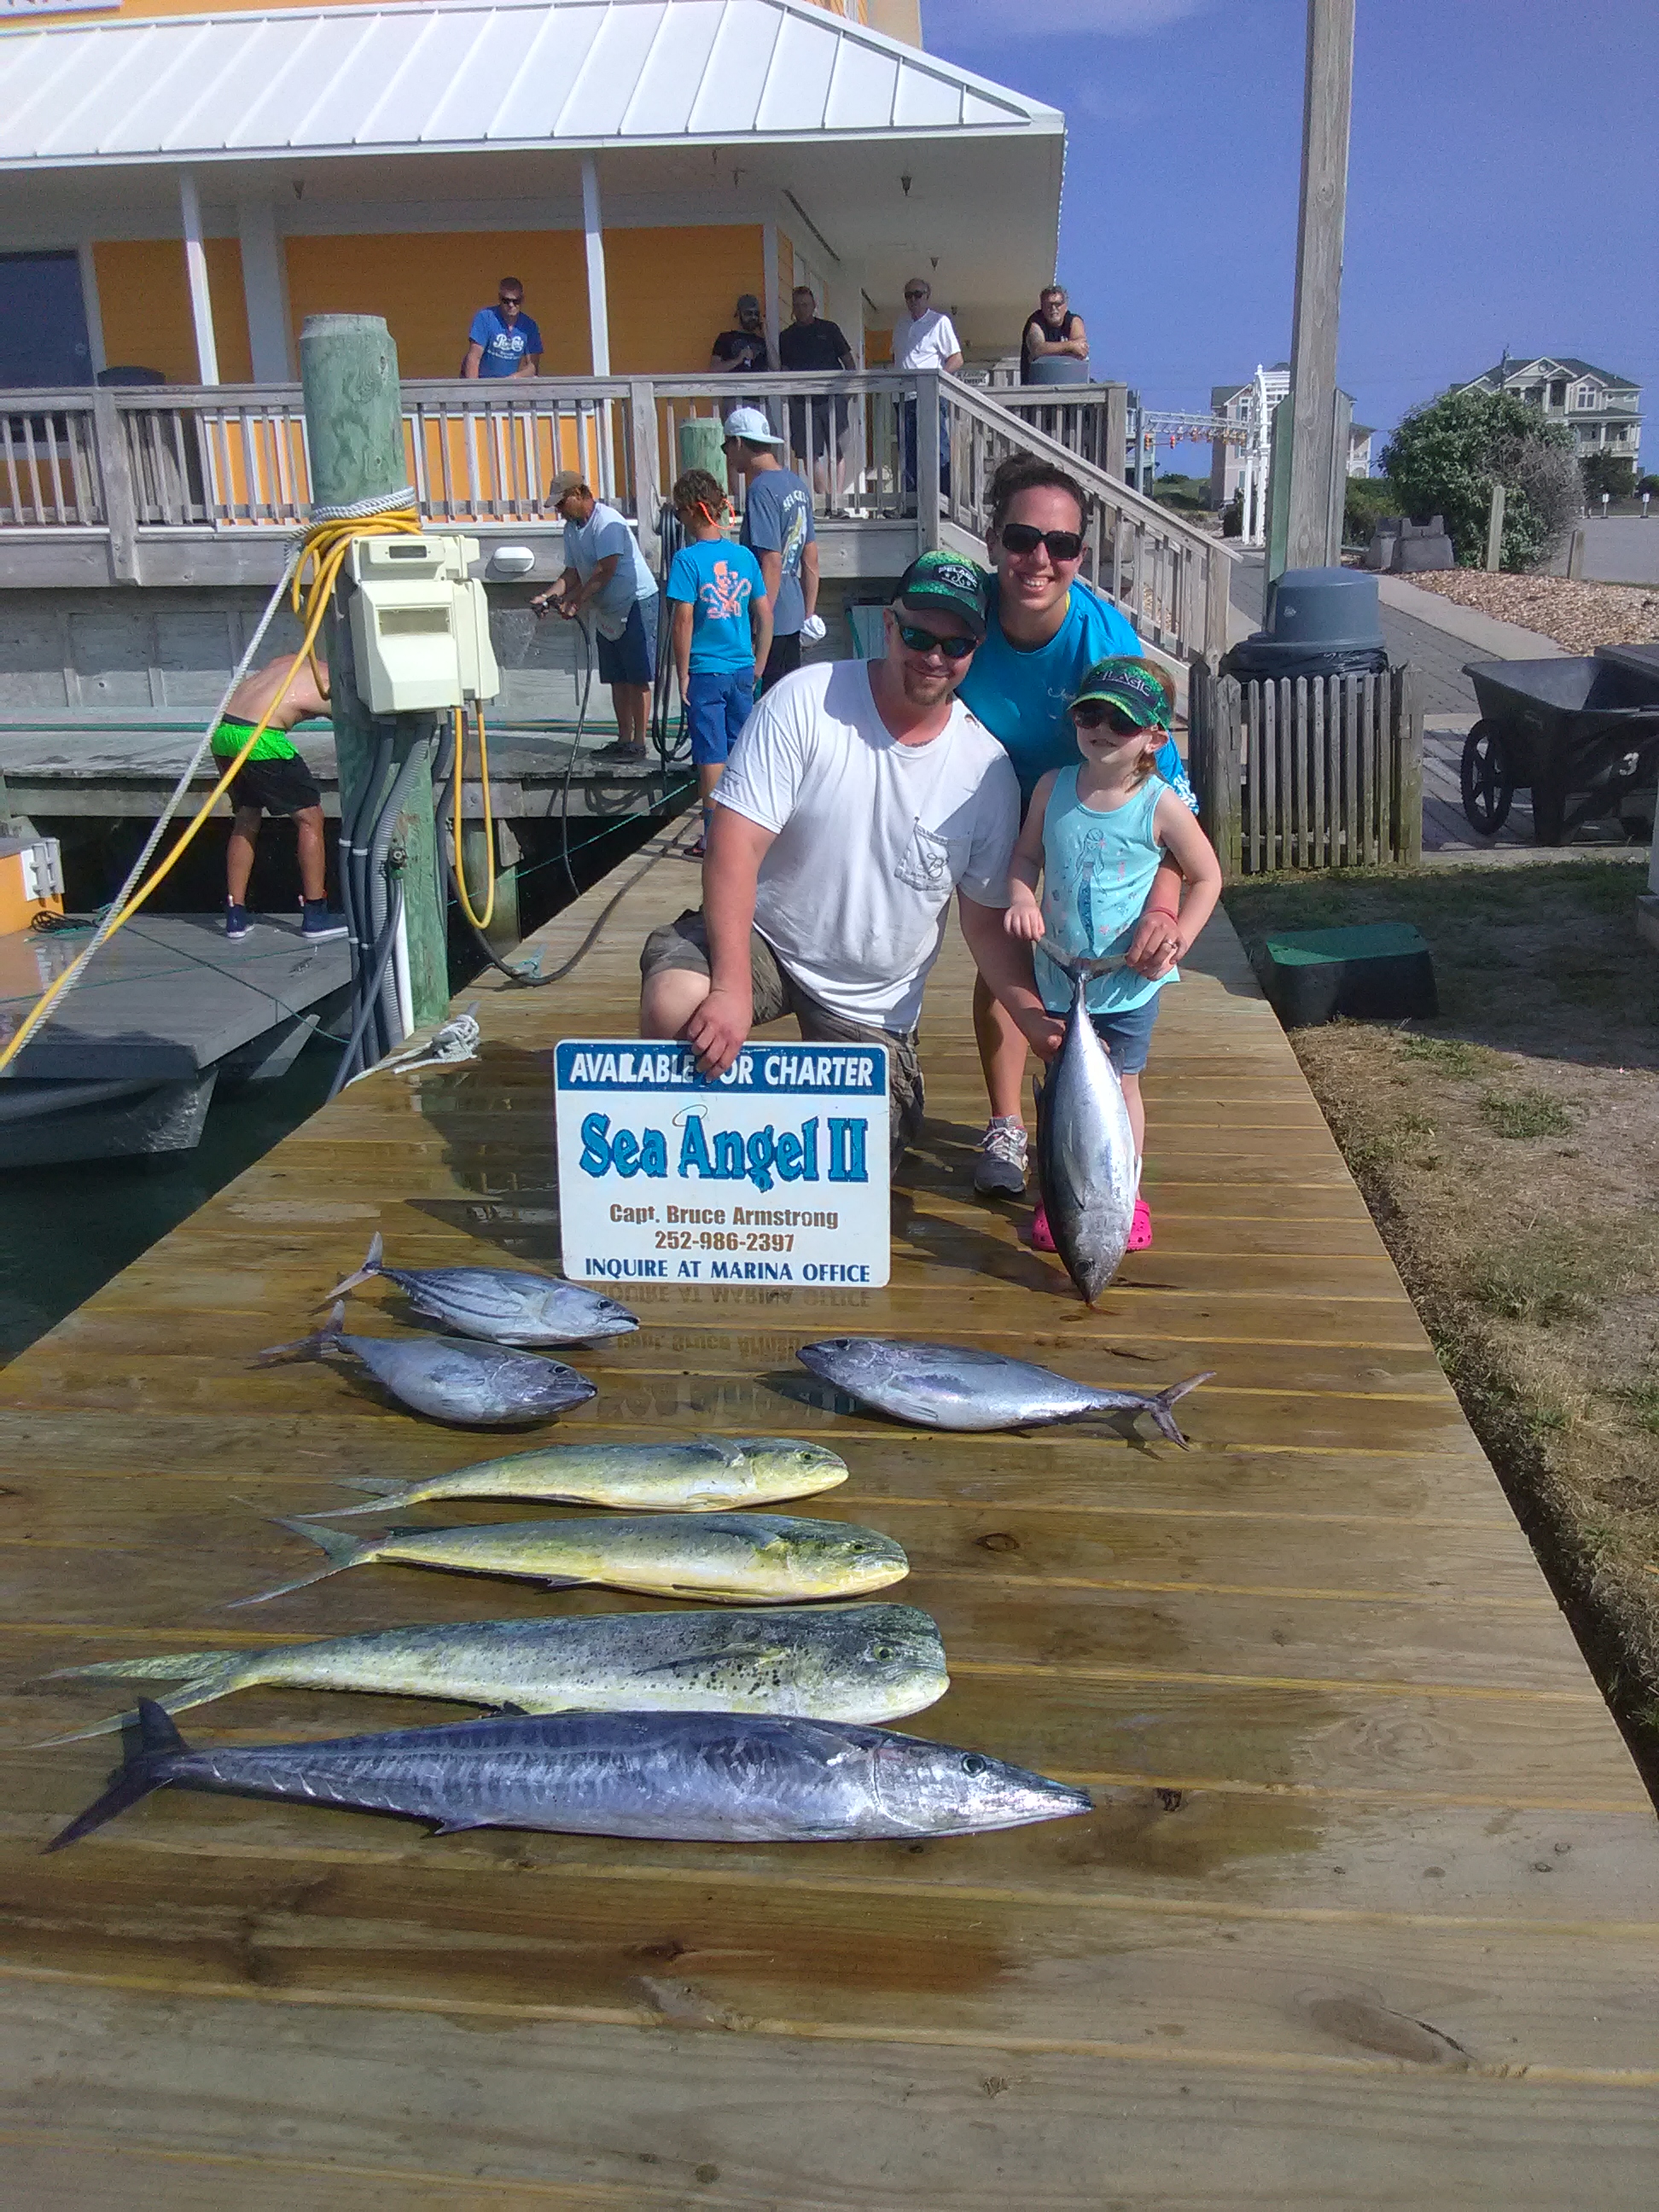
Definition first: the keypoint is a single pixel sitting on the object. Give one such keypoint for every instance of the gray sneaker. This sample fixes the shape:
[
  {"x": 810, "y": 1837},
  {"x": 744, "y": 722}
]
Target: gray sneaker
[{"x": 1001, "y": 1167}]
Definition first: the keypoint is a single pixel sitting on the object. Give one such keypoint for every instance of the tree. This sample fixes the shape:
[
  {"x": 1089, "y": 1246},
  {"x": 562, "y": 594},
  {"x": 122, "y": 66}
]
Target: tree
[
  {"x": 1446, "y": 456},
  {"x": 1614, "y": 473}
]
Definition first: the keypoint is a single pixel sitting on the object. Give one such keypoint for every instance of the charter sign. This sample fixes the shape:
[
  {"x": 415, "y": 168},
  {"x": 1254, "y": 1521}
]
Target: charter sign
[{"x": 775, "y": 1172}]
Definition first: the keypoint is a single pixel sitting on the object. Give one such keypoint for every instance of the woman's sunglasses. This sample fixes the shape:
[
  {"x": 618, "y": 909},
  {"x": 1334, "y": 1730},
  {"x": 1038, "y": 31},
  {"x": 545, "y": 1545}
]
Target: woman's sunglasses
[
  {"x": 1094, "y": 714},
  {"x": 923, "y": 640},
  {"x": 1062, "y": 545}
]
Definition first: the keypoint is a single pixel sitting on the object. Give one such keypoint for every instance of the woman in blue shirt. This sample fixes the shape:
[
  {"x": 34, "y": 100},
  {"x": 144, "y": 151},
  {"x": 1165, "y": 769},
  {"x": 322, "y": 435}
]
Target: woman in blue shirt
[{"x": 1047, "y": 629}]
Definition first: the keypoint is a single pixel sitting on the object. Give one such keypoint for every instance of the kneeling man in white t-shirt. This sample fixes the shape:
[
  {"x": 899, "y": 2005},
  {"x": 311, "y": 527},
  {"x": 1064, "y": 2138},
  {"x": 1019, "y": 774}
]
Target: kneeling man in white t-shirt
[{"x": 860, "y": 796}]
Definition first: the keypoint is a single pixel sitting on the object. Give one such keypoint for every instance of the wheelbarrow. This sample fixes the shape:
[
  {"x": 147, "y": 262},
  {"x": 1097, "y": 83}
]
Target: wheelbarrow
[{"x": 1582, "y": 735}]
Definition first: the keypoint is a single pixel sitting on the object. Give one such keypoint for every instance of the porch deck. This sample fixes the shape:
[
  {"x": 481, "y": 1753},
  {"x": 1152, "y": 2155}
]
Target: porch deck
[{"x": 1368, "y": 1910}]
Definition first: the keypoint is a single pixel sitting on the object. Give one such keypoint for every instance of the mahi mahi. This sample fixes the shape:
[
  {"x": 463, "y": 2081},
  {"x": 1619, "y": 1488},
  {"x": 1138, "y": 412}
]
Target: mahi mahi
[
  {"x": 705, "y": 1474},
  {"x": 1087, "y": 1164},
  {"x": 701, "y": 1777},
  {"x": 947, "y": 1385},
  {"x": 840, "y": 1663},
  {"x": 505, "y": 1305},
  {"x": 741, "y": 1559},
  {"x": 477, "y": 1386}
]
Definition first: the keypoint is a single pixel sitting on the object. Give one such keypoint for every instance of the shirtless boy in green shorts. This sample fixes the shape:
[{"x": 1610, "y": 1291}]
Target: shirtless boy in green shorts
[{"x": 274, "y": 779}]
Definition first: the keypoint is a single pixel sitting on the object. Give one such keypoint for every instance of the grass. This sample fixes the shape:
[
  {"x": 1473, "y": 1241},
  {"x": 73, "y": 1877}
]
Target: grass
[
  {"x": 1453, "y": 1057},
  {"x": 1525, "y": 1114},
  {"x": 1505, "y": 1148}
]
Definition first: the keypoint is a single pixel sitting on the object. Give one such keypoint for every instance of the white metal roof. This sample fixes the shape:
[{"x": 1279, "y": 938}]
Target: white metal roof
[{"x": 464, "y": 75}]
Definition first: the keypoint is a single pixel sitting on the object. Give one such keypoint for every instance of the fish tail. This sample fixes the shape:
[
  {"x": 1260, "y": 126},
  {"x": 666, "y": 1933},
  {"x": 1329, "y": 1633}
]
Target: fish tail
[
  {"x": 147, "y": 1768},
  {"x": 388, "y": 1494},
  {"x": 343, "y": 1552},
  {"x": 318, "y": 1345},
  {"x": 1159, "y": 1407},
  {"x": 200, "y": 1691},
  {"x": 370, "y": 1268},
  {"x": 171, "y": 1667}
]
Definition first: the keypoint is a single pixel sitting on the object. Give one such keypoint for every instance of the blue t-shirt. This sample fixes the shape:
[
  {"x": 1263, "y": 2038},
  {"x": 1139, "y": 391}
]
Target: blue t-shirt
[
  {"x": 777, "y": 518},
  {"x": 503, "y": 349},
  {"x": 1022, "y": 697},
  {"x": 719, "y": 579}
]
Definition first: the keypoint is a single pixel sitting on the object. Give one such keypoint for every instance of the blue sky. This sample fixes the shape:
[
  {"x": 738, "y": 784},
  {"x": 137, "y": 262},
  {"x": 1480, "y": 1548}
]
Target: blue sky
[{"x": 1503, "y": 184}]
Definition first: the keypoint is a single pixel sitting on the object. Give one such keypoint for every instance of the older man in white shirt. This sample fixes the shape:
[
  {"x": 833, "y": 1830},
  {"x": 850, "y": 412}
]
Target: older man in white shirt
[{"x": 924, "y": 336}]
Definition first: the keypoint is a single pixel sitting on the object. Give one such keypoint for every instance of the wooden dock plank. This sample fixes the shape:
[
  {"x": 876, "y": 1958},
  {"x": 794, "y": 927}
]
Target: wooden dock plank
[{"x": 1369, "y": 1904}]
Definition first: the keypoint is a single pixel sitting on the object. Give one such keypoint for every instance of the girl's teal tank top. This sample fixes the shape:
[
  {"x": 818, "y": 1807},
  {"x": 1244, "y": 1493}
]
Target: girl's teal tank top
[{"x": 1096, "y": 871}]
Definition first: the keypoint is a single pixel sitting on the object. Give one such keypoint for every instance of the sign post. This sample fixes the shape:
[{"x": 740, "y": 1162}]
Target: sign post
[{"x": 776, "y": 1172}]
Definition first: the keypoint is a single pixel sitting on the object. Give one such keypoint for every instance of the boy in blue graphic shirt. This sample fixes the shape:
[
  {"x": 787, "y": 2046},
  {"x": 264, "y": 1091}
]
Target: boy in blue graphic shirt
[
  {"x": 503, "y": 340},
  {"x": 722, "y": 628}
]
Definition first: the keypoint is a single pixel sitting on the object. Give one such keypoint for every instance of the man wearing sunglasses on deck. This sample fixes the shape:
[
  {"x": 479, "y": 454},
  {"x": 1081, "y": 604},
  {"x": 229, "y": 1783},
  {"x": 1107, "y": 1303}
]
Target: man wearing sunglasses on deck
[
  {"x": 858, "y": 797},
  {"x": 503, "y": 340},
  {"x": 1045, "y": 629}
]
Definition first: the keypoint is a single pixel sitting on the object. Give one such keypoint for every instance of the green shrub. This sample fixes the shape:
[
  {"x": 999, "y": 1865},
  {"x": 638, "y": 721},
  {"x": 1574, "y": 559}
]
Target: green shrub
[
  {"x": 1366, "y": 501},
  {"x": 1613, "y": 473},
  {"x": 1445, "y": 457}
]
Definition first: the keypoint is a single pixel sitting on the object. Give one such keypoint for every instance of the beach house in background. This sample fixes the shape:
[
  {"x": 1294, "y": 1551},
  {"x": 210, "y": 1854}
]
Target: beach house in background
[
  {"x": 1602, "y": 410},
  {"x": 183, "y": 189},
  {"x": 1232, "y": 402}
]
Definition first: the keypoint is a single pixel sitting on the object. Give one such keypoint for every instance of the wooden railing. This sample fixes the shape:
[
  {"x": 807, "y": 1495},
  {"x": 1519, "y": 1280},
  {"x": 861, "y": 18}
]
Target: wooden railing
[
  {"x": 1172, "y": 578},
  {"x": 141, "y": 464}
]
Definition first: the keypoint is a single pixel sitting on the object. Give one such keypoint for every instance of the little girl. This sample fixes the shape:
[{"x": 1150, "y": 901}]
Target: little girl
[{"x": 1099, "y": 832}]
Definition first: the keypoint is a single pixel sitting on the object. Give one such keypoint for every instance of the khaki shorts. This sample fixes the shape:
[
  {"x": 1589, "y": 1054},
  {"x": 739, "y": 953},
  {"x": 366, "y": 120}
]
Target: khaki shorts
[{"x": 684, "y": 943}]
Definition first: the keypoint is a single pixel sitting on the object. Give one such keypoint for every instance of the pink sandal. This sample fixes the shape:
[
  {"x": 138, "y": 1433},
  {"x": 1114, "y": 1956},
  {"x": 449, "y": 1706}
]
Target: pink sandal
[{"x": 1040, "y": 1238}]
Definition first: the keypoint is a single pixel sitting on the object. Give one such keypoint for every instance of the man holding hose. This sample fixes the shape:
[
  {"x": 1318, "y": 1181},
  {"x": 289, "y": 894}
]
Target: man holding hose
[{"x": 274, "y": 779}]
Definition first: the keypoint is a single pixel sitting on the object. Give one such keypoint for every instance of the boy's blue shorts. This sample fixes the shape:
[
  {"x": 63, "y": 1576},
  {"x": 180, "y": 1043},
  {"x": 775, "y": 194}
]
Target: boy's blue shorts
[{"x": 718, "y": 702}]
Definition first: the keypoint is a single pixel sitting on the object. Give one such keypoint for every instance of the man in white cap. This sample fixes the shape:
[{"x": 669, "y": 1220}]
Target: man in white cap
[{"x": 777, "y": 528}]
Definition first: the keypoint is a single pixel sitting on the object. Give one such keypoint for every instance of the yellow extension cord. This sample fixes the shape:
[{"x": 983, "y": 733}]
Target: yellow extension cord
[
  {"x": 325, "y": 547},
  {"x": 478, "y": 921}
]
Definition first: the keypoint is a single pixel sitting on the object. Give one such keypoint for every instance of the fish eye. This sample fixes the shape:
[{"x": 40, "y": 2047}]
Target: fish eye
[
  {"x": 973, "y": 1764},
  {"x": 881, "y": 1652}
]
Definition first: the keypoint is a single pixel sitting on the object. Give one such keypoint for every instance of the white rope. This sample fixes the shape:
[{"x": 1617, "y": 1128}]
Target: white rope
[{"x": 359, "y": 510}]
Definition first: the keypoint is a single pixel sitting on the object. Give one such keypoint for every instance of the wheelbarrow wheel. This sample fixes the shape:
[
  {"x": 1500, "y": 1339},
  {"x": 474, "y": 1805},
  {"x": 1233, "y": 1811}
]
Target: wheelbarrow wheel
[{"x": 1487, "y": 786}]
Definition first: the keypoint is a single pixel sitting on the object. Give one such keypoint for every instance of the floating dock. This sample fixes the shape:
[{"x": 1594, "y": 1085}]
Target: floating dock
[
  {"x": 1368, "y": 1910},
  {"x": 166, "y": 1010}
]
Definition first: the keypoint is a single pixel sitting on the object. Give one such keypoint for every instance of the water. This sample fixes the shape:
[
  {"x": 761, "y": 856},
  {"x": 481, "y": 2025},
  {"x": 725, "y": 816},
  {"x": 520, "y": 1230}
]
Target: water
[{"x": 64, "y": 1232}]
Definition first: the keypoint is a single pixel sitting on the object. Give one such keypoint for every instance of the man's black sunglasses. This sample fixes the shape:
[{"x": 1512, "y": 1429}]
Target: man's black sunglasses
[
  {"x": 1062, "y": 545},
  {"x": 511, "y": 299},
  {"x": 1090, "y": 713},
  {"x": 923, "y": 640}
]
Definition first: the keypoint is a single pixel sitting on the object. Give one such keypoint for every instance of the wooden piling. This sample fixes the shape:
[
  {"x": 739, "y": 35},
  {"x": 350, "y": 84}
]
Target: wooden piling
[{"x": 355, "y": 427}]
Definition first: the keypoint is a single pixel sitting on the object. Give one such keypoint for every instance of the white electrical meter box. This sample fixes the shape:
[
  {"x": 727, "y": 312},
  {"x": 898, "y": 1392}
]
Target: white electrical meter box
[
  {"x": 420, "y": 625},
  {"x": 480, "y": 676},
  {"x": 402, "y": 625}
]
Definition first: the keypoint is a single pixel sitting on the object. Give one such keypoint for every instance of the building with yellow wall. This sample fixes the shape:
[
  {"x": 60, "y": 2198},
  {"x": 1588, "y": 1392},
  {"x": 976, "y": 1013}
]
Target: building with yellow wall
[{"x": 183, "y": 188}]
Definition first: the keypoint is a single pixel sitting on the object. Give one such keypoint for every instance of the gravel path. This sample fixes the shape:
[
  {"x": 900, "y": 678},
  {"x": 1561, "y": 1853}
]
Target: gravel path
[{"x": 1579, "y": 616}]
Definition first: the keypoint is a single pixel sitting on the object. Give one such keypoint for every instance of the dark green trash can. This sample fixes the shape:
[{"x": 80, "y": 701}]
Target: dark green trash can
[{"x": 1376, "y": 971}]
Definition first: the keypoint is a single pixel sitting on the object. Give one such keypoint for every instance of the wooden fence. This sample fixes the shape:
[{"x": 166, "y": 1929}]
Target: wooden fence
[{"x": 1326, "y": 772}]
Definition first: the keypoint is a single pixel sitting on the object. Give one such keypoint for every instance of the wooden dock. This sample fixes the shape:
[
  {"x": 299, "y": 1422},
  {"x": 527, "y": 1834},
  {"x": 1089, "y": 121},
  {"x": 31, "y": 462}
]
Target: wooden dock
[{"x": 1368, "y": 1910}]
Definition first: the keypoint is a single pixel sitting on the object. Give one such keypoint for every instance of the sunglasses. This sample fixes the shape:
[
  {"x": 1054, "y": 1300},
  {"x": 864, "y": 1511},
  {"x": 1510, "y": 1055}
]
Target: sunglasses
[
  {"x": 923, "y": 640},
  {"x": 1019, "y": 537},
  {"x": 921, "y": 293},
  {"x": 1094, "y": 714},
  {"x": 510, "y": 300}
]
